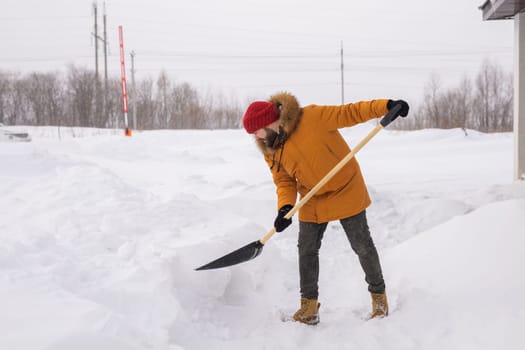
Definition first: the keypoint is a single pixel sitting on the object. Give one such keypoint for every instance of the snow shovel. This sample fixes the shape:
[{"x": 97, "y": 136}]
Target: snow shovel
[{"x": 252, "y": 250}]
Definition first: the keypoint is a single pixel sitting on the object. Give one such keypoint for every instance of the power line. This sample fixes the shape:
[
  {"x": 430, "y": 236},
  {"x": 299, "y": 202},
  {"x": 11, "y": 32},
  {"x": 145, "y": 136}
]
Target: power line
[{"x": 44, "y": 19}]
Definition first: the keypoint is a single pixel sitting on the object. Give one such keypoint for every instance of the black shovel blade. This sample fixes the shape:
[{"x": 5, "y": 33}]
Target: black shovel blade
[{"x": 248, "y": 252}]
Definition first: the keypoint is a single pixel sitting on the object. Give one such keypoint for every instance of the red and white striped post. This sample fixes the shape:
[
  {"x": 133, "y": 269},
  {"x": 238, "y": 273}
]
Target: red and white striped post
[{"x": 127, "y": 130}]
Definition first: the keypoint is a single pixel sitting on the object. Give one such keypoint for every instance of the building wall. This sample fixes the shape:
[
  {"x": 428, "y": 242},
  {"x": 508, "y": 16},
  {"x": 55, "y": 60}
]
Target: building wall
[{"x": 519, "y": 97}]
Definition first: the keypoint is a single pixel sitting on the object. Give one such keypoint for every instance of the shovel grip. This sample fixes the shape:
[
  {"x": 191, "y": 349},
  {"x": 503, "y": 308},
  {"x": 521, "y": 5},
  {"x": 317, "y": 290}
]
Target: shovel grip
[{"x": 390, "y": 116}]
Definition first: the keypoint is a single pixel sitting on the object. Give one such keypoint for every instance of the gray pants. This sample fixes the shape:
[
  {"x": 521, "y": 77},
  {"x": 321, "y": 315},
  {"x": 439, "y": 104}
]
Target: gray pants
[{"x": 356, "y": 229}]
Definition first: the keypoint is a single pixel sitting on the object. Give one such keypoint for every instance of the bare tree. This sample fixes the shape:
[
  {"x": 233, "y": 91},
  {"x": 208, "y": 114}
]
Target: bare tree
[
  {"x": 186, "y": 108},
  {"x": 45, "y": 96},
  {"x": 493, "y": 98},
  {"x": 430, "y": 103},
  {"x": 114, "y": 110},
  {"x": 453, "y": 106},
  {"x": 463, "y": 110},
  {"x": 507, "y": 103},
  {"x": 19, "y": 110},
  {"x": 5, "y": 91},
  {"x": 55, "y": 101},
  {"x": 163, "y": 91},
  {"x": 146, "y": 106},
  {"x": 81, "y": 93},
  {"x": 222, "y": 113}
]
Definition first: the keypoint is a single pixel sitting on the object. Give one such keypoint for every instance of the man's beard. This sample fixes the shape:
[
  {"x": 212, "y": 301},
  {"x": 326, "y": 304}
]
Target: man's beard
[{"x": 272, "y": 139}]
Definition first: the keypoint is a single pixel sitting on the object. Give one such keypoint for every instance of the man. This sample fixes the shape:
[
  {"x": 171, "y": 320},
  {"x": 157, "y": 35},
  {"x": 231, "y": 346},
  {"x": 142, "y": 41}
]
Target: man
[{"x": 301, "y": 145}]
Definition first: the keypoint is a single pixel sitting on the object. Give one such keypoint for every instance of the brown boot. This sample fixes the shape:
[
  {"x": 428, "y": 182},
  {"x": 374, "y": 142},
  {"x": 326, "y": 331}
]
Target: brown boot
[
  {"x": 309, "y": 312},
  {"x": 379, "y": 305}
]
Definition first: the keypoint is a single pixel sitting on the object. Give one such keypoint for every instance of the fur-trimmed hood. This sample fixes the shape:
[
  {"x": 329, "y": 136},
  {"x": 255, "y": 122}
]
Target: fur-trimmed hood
[
  {"x": 289, "y": 115},
  {"x": 290, "y": 111}
]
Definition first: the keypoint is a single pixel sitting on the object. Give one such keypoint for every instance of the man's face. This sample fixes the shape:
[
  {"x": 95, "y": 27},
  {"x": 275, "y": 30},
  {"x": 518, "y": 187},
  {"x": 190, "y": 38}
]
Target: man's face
[{"x": 267, "y": 136}]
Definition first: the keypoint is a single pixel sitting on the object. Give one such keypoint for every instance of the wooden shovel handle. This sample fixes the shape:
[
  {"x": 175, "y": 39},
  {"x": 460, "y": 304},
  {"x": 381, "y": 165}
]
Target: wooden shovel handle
[{"x": 325, "y": 179}]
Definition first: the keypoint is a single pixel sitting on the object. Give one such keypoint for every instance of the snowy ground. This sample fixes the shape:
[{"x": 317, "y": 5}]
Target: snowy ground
[{"x": 100, "y": 235}]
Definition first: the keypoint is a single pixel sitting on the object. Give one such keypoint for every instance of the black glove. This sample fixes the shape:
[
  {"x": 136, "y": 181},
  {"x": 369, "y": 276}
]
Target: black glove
[
  {"x": 280, "y": 222},
  {"x": 404, "y": 106}
]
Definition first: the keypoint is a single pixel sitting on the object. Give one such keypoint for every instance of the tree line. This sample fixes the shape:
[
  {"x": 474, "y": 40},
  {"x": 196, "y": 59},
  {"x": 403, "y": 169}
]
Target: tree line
[
  {"x": 78, "y": 98},
  {"x": 484, "y": 103}
]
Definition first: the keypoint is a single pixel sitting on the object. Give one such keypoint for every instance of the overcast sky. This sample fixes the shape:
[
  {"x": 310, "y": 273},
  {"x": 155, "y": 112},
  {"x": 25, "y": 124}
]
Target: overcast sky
[{"x": 251, "y": 49}]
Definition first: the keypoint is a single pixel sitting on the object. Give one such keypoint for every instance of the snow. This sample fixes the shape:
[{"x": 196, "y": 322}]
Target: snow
[{"x": 100, "y": 235}]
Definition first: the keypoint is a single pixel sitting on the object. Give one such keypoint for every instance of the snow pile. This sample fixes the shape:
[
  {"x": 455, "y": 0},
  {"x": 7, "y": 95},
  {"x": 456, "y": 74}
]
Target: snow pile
[{"x": 100, "y": 235}]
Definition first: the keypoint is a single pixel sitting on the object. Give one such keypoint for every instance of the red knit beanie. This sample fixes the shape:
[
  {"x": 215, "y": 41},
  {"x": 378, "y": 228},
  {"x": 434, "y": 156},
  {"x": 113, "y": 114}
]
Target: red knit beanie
[{"x": 258, "y": 115}]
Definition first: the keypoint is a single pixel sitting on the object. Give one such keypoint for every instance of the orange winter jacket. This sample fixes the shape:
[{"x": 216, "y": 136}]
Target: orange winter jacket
[{"x": 312, "y": 148}]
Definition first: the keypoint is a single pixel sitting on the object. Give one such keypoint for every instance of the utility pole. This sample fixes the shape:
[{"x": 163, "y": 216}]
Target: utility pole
[
  {"x": 105, "y": 41},
  {"x": 134, "y": 91},
  {"x": 102, "y": 39},
  {"x": 342, "y": 76},
  {"x": 95, "y": 34},
  {"x": 97, "y": 80}
]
